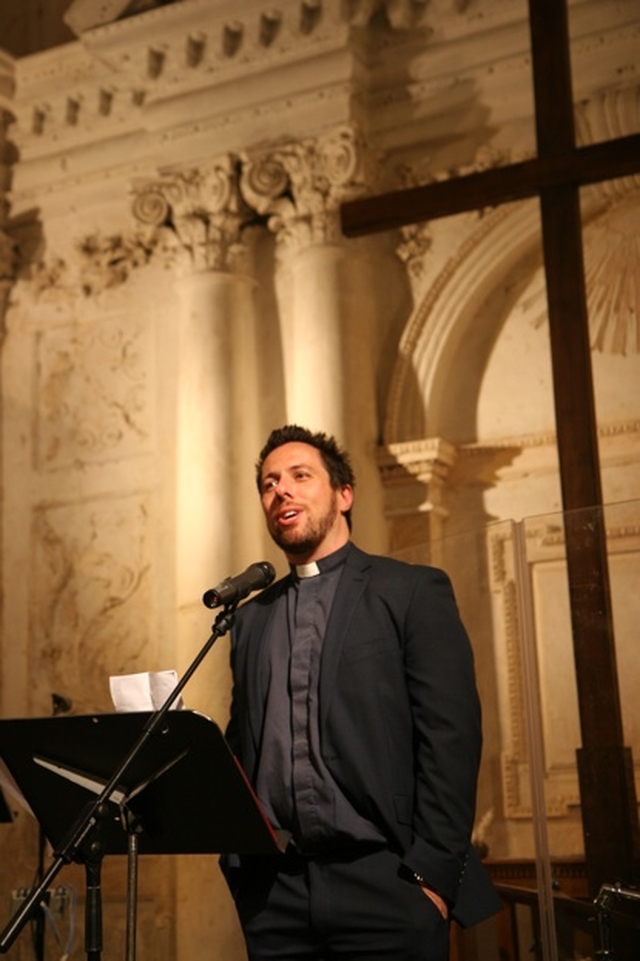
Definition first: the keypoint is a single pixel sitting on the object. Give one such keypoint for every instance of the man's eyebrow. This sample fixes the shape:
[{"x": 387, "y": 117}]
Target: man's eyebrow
[{"x": 276, "y": 473}]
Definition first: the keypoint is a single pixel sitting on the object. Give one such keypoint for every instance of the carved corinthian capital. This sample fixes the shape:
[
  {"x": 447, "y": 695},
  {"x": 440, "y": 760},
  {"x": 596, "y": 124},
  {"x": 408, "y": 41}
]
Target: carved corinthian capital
[
  {"x": 199, "y": 214},
  {"x": 299, "y": 187}
]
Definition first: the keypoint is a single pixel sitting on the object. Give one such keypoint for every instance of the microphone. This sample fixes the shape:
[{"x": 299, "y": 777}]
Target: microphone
[{"x": 233, "y": 589}]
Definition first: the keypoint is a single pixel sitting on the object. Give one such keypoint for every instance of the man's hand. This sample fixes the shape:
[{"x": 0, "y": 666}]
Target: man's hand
[{"x": 437, "y": 900}]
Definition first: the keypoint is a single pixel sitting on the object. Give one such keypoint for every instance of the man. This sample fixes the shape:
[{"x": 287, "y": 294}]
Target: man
[{"x": 356, "y": 718}]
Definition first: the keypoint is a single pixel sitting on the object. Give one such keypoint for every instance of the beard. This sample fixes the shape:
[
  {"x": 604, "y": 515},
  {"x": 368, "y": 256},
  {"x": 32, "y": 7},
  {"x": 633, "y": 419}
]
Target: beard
[{"x": 305, "y": 541}]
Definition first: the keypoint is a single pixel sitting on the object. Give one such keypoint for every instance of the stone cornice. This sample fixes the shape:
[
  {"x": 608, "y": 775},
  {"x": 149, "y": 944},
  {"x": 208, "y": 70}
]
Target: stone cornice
[
  {"x": 486, "y": 462},
  {"x": 183, "y": 81},
  {"x": 424, "y": 460}
]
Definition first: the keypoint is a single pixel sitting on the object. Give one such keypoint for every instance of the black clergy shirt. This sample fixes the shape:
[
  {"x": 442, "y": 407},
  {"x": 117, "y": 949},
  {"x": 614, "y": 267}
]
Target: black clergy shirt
[{"x": 293, "y": 783}]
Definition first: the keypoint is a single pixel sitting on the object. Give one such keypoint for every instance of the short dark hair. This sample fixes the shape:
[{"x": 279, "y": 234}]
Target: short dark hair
[{"x": 335, "y": 458}]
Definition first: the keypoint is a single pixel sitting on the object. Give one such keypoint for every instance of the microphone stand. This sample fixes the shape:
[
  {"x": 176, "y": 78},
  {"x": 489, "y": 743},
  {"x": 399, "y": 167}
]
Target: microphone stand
[{"x": 83, "y": 842}]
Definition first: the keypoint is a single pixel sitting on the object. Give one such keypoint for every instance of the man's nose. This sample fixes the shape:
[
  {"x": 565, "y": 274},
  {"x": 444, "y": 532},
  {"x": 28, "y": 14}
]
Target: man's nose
[{"x": 284, "y": 487}]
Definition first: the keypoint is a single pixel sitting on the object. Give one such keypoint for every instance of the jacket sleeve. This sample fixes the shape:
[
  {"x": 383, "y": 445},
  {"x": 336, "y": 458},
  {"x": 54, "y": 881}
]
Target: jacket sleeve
[{"x": 440, "y": 678}]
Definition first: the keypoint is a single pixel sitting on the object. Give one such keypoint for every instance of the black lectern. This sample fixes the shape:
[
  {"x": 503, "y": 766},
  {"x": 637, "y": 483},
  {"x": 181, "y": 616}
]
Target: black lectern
[{"x": 5, "y": 810}]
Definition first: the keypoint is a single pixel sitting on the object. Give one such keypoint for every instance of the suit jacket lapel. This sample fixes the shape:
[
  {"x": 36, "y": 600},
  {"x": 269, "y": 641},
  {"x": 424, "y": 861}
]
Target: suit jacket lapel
[{"x": 350, "y": 587}]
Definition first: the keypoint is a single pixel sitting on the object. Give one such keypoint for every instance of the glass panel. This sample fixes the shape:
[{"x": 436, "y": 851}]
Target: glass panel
[
  {"x": 511, "y": 583},
  {"x": 482, "y": 568}
]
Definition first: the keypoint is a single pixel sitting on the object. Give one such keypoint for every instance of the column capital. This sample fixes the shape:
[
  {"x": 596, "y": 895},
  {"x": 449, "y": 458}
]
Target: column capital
[
  {"x": 299, "y": 186},
  {"x": 199, "y": 213}
]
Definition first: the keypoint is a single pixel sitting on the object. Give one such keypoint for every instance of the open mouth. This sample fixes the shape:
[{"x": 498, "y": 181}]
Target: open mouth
[{"x": 285, "y": 517}]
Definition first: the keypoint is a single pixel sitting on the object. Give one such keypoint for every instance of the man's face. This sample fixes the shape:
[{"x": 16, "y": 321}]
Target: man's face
[{"x": 304, "y": 514}]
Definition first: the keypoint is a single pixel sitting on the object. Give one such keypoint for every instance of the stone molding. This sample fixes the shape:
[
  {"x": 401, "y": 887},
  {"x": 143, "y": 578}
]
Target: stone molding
[
  {"x": 414, "y": 476},
  {"x": 171, "y": 80}
]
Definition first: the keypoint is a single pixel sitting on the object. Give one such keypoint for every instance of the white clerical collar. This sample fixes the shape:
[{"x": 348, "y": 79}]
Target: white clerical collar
[{"x": 307, "y": 570}]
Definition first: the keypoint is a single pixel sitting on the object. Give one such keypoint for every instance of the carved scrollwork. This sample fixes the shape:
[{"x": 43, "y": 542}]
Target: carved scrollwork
[
  {"x": 200, "y": 214},
  {"x": 300, "y": 186},
  {"x": 265, "y": 183},
  {"x": 151, "y": 208}
]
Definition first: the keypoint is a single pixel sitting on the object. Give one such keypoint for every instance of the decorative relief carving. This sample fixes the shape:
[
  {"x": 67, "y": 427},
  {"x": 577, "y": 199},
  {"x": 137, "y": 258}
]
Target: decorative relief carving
[
  {"x": 8, "y": 257},
  {"x": 300, "y": 186},
  {"x": 197, "y": 216},
  {"x": 100, "y": 263},
  {"x": 93, "y": 393},
  {"x": 8, "y": 267},
  {"x": 92, "y": 611},
  {"x": 612, "y": 268},
  {"x": 416, "y": 242}
]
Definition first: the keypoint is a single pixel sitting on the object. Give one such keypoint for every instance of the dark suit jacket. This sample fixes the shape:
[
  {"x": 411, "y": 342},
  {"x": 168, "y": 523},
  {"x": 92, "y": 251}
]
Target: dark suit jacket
[{"x": 399, "y": 716}]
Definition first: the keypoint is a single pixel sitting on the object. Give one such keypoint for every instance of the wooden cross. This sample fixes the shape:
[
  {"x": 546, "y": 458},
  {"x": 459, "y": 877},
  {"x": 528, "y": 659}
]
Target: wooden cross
[{"x": 605, "y": 769}]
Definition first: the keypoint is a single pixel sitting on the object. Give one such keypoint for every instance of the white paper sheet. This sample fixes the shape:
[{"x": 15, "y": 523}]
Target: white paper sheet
[{"x": 146, "y": 691}]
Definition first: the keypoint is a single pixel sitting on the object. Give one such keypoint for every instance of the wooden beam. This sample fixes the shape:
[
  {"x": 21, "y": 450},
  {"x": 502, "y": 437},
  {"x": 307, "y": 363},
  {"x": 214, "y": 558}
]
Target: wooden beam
[{"x": 585, "y": 165}]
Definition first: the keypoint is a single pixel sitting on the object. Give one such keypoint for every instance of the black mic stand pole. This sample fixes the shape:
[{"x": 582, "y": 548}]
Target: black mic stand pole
[{"x": 85, "y": 833}]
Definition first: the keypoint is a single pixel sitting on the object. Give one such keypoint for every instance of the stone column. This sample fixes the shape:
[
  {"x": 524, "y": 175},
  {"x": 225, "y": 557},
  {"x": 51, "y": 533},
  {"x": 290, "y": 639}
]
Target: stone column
[
  {"x": 327, "y": 313},
  {"x": 216, "y": 508}
]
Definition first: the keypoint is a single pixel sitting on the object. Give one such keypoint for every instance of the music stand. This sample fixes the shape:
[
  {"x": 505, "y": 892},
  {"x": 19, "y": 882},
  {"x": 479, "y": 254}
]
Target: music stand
[
  {"x": 177, "y": 789},
  {"x": 5, "y": 811}
]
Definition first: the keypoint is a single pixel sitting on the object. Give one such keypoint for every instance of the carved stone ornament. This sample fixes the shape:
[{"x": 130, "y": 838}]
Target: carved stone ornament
[
  {"x": 100, "y": 263},
  {"x": 299, "y": 187},
  {"x": 196, "y": 216},
  {"x": 8, "y": 257}
]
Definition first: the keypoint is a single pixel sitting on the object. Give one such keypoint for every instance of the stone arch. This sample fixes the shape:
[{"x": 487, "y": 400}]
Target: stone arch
[
  {"x": 447, "y": 340},
  {"x": 444, "y": 330}
]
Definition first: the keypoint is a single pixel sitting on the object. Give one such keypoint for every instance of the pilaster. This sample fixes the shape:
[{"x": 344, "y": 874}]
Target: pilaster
[{"x": 414, "y": 476}]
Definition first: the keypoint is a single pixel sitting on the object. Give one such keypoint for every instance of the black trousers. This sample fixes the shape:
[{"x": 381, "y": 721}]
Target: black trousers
[{"x": 362, "y": 908}]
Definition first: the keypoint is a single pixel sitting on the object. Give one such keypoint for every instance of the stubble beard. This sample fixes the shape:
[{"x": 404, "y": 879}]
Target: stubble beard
[{"x": 300, "y": 543}]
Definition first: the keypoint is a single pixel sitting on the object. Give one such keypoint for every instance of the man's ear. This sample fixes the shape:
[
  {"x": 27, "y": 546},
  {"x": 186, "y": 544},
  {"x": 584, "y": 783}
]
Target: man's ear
[{"x": 345, "y": 498}]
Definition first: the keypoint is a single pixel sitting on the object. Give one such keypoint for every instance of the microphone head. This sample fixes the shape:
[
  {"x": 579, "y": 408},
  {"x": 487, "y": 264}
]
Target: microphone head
[
  {"x": 234, "y": 589},
  {"x": 267, "y": 573}
]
